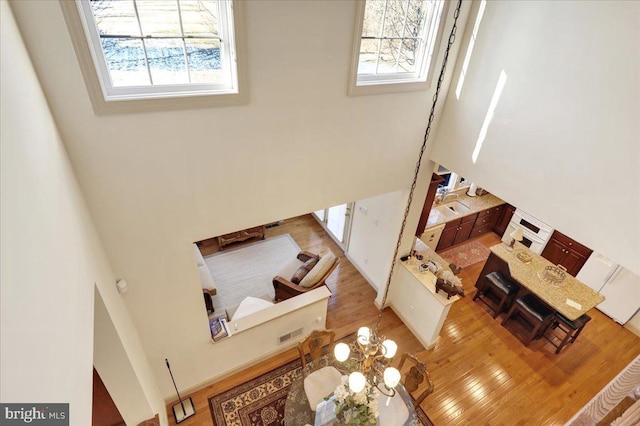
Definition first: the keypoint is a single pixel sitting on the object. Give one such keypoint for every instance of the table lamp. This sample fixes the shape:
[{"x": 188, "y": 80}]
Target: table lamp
[{"x": 516, "y": 235}]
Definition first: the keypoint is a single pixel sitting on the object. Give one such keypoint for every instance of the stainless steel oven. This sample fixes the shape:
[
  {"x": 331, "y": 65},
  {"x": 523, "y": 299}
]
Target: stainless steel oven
[{"x": 536, "y": 233}]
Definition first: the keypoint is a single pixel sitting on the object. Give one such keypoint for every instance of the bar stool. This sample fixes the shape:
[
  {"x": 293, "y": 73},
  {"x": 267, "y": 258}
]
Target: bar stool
[
  {"x": 571, "y": 329},
  {"x": 504, "y": 289},
  {"x": 534, "y": 312}
]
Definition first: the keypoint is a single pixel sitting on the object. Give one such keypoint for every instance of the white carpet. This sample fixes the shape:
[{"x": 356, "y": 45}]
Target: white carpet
[{"x": 249, "y": 270}]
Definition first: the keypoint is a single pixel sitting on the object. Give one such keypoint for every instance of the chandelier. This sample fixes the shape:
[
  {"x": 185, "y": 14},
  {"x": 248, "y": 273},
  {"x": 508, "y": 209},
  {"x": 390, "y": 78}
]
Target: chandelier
[
  {"x": 373, "y": 353},
  {"x": 372, "y": 357}
]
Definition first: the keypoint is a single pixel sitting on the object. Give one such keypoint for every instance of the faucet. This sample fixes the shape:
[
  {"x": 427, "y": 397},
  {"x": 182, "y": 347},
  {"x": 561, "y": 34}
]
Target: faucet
[{"x": 444, "y": 196}]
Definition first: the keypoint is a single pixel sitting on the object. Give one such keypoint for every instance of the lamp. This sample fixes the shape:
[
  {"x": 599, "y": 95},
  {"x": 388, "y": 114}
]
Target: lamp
[
  {"x": 516, "y": 235},
  {"x": 372, "y": 356},
  {"x": 373, "y": 353}
]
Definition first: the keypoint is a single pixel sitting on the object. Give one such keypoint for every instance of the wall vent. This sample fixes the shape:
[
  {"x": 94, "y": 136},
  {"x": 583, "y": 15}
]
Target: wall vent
[{"x": 289, "y": 335}]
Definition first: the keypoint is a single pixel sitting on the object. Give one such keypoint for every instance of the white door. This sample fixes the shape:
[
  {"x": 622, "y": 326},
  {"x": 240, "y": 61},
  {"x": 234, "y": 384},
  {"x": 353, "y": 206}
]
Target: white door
[{"x": 337, "y": 221}]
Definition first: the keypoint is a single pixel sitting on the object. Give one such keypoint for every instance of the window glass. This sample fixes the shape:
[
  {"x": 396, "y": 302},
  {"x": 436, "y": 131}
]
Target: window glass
[
  {"x": 397, "y": 41},
  {"x": 156, "y": 48}
]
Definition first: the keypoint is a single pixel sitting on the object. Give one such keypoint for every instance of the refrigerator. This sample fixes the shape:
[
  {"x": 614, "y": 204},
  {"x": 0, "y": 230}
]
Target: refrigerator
[{"x": 619, "y": 286}]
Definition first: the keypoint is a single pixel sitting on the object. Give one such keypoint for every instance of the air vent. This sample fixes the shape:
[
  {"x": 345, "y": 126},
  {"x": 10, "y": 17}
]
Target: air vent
[
  {"x": 274, "y": 224},
  {"x": 289, "y": 336}
]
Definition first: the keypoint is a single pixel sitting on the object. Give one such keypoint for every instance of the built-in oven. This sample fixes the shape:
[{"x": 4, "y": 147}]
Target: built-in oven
[{"x": 536, "y": 233}]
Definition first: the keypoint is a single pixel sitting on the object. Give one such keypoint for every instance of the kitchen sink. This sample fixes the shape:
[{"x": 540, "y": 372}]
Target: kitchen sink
[{"x": 453, "y": 208}]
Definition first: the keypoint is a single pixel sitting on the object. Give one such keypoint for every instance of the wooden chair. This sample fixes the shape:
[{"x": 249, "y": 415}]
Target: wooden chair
[
  {"x": 318, "y": 382},
  {"x": 415, "y": 376}
]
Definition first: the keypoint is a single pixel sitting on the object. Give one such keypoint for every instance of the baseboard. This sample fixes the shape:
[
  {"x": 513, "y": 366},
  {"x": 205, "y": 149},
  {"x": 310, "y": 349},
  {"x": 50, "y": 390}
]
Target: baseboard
[
  {"x": 230, "y": 372},
  {"x": 427, "y": 345},
  {"x": 633, "y": 328}
]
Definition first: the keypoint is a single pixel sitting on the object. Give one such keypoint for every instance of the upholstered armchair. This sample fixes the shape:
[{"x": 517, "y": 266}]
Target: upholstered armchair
[{"x": 304, "y": 273}]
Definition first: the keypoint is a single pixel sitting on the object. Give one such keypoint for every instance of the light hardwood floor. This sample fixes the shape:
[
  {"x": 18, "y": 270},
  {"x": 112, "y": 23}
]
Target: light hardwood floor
[{"x": 483, "y": 375}]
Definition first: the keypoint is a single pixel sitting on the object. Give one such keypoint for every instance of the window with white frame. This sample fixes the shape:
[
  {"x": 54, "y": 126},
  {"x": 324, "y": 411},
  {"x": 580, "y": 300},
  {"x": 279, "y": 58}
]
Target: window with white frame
[
  {"x": 398, "y": 41},
  {"x": 145, "y": 49}
]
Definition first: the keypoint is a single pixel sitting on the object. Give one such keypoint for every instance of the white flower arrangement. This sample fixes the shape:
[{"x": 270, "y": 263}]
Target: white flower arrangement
[{"x": 356, "y": 408}]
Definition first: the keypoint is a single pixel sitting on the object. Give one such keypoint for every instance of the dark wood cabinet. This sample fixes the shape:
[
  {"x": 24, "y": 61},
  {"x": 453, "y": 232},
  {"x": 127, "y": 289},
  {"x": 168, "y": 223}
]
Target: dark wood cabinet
[
  {"x": 456, "y": 231},
  {"x": 485, "y": 221},
  {"x": 503, "y": 219},
  {"x": 448, "y": 235},
  {"x": 562, "y": 250},
  {"x": 245, "y": 234},
  {"x": 464, "y": 231},
  {"x": 428, "y": 202}
]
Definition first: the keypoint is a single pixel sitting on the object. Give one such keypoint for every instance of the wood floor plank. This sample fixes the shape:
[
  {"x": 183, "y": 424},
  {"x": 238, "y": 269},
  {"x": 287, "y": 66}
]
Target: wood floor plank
[{"x": 483, "y": 375}]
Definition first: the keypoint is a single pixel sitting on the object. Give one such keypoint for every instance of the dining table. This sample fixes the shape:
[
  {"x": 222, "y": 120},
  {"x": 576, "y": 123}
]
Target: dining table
[
  {"x": 393, "y": 411},
  {"x": 569, "y": 297}
]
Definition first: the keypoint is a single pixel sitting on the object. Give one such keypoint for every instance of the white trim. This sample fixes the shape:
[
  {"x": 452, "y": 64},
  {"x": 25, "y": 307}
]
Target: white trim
[
  {"x": 632, "y": 328},
  {"x": 179, "y": 99},
  {"x": 400, "y": 82}
]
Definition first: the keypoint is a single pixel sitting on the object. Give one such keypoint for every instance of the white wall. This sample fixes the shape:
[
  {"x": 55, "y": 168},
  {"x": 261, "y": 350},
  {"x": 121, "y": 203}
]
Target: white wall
[
  {"x": 374, "y": 234},
  {"x": 110, "y": 359},
  {"x": 51, "y": 255},
  {"x": 155, "y": 182},
  {"x": 563, "y": 144}
]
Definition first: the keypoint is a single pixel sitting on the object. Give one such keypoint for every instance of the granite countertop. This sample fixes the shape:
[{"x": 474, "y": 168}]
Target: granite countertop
[
  {"x": 427, "y": 279},
  {"x": 555, "y": 295},
  {"x": 475, "y": 204},
  {"x": 429, "y": 254}
]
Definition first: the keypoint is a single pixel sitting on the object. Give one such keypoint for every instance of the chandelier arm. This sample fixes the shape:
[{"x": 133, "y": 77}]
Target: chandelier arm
[
  {"x": 452, "y": 37},
  {"x": 384, "y": 389}
]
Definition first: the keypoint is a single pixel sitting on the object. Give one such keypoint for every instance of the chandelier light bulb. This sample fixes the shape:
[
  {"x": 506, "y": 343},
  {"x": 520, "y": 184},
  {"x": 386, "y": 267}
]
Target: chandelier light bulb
[
  {"x": 363, "y": 335},
  {"x": 390, "y": 348},
  {"x": 357, "y": 381},
  {"x": 391, "y": 377},
  {"x": 341, "y": 352}
]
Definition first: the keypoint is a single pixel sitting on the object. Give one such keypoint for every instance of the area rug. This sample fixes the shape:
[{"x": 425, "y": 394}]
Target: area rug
[
  {"x": 249, "y": 270},
  {"x": 466, "y": 254},
  {"x": 261, "y": 401}
]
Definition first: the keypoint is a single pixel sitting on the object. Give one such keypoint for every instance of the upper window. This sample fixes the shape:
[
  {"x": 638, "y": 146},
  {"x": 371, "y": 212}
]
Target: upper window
[
  {"x": 161, "y": 48},
  {"x": 397, "y": 41}
]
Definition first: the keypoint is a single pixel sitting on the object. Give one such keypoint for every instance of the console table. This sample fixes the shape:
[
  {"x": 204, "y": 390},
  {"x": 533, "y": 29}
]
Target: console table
[{"x": 245, "y": 234}]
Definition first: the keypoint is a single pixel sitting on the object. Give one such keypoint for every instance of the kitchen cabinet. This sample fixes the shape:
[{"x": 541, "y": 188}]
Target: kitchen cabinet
[
  {"x": 485, "y": 221},
  {"x": 456, "y": 231},
  {"x": 431, "y": 236},
  {"x": 428, "y": 202},
  {"x": 562, "y": 250},
  {"x": 503, "y": 219}
]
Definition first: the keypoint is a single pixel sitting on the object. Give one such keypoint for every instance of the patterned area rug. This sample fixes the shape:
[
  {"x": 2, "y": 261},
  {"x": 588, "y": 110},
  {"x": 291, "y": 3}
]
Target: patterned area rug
[
  {"x": 466, "y": 254},
  {"x": 249, "y": 270},
  {"x": 261, "y": 401}
]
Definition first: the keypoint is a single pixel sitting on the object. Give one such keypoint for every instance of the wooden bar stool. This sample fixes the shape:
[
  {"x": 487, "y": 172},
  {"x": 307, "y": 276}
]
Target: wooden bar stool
[
  {"x": 502, "y": 288},
  {"x": 534, "y": 312},
  {"x": 571, "y": 329}
]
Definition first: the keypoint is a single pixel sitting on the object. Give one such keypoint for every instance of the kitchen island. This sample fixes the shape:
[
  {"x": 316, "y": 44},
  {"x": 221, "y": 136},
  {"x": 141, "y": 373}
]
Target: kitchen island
[
  {"x": 415, "y": 300},
  {"x": 570, "y": 297}
]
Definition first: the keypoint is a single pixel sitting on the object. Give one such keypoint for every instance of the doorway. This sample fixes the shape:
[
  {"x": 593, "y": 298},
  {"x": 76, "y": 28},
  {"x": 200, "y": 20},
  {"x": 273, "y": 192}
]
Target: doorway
[
  {"x": 336, "y": 221},
  {"x": 105, "y": 412}
]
